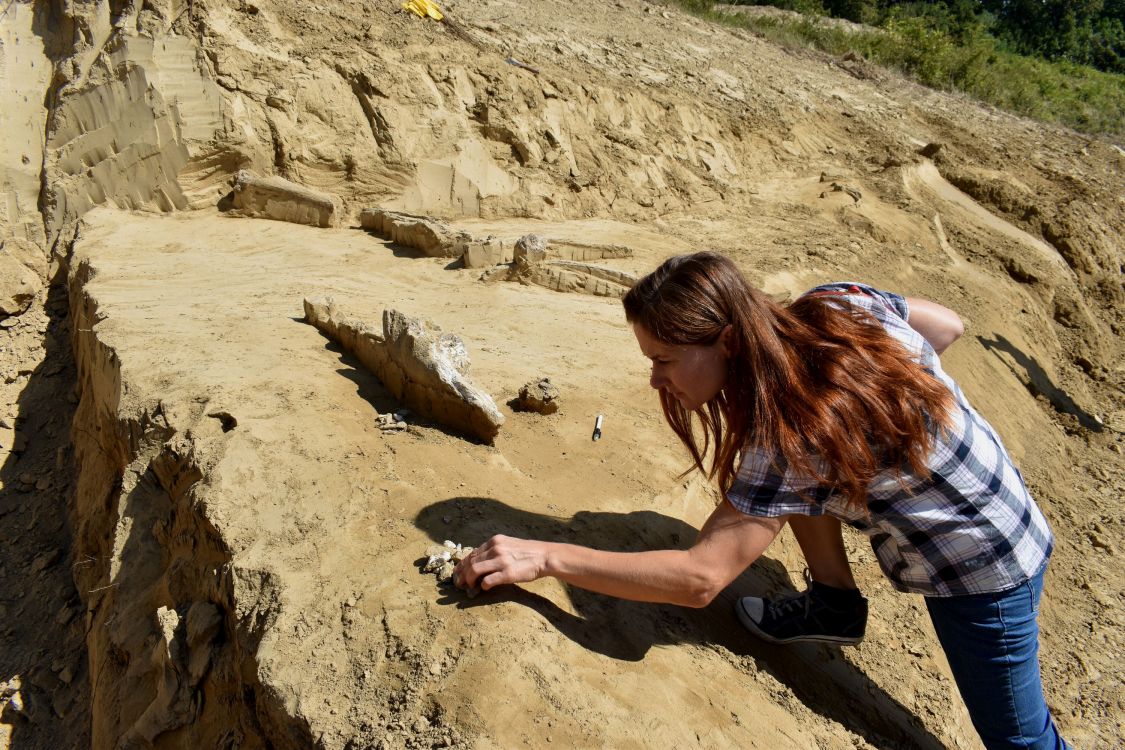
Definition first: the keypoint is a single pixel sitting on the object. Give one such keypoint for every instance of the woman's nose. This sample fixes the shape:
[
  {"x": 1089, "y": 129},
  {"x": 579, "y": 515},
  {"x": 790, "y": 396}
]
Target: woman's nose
[{"x": 657, "y": 381}]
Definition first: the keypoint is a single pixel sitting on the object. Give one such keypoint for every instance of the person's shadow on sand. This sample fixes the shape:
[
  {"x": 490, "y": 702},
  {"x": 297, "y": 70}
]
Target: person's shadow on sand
[{"x": 822, "y": 677}]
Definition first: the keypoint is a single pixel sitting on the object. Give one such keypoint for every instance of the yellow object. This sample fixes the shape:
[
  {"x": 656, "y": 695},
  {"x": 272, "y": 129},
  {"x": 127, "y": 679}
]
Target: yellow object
[{"x": 423, "y": 8}]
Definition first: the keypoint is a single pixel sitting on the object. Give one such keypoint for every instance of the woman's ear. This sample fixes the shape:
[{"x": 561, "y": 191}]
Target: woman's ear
[{"x": 726, "y": 340}]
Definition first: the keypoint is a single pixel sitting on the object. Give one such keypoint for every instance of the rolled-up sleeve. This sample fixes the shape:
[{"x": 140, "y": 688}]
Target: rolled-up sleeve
[{"x": 764, "y": 487}]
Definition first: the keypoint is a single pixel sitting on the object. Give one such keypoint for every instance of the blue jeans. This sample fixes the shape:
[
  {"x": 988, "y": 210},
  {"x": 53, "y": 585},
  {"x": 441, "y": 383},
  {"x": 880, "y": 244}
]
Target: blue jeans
[{"x": 992, "y": 644}]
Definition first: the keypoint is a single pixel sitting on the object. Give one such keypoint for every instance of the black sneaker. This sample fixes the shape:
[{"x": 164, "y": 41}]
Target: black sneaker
[{"x": 822, "y": 614}]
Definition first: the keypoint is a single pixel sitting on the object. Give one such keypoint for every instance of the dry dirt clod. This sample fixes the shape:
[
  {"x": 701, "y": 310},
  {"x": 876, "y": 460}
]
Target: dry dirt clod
[{"x": 539, "y": 396}]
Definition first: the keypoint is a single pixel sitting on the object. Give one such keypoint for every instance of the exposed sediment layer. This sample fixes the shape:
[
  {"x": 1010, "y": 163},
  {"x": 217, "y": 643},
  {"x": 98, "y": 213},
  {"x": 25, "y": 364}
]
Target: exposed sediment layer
[
  {"x": 115, "y": 142},
  {"x": 173, "y": 622},
  {"x": 25, "y": 74},
  {"x": 144, "y": 115}
]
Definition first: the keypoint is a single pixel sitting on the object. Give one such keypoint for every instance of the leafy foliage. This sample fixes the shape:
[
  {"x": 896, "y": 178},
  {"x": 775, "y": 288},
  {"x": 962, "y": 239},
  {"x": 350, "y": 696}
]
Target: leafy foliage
[
  {"x": 1086, "y": 32},
  {"x": 954, "y": 45}
]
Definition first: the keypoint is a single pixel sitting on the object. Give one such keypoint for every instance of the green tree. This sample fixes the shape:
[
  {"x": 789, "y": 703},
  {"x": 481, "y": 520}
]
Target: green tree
[
  {"x": 1089, "y": 32},
  {"x": 860, "y": 11}
]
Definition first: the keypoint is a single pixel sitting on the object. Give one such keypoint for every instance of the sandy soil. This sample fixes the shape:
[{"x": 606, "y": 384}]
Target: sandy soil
[{"x": 244, "y": 540}]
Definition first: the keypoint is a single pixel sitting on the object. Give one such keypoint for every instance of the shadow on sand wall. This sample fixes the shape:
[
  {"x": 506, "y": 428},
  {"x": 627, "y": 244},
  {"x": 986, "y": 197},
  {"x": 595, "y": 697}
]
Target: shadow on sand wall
[{"x": 1038, "y": 382}]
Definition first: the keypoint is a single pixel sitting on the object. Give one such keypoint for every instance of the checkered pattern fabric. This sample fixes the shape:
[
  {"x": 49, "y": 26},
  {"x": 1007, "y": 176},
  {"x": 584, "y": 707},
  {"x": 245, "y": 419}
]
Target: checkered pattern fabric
[{"x": 970, "y": 527}]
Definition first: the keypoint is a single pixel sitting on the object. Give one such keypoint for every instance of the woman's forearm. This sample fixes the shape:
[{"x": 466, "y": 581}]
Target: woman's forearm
[
  {"x": 727, "y": 544},
  {"x": 669, "y": 576}
]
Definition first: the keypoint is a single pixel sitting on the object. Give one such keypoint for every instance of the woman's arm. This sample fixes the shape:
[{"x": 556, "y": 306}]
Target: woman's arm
[
  {"x": 727, "y": 544},
  {"x": 938, "y": 324}
]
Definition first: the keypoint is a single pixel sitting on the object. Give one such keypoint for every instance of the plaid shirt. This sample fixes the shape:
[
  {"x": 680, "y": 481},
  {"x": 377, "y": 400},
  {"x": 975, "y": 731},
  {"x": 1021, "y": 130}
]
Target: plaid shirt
[{"x": 970, "y": 527}]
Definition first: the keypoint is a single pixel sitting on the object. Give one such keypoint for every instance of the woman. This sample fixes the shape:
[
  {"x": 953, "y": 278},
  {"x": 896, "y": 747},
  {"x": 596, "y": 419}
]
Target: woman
[{"x": 834, "y": 408}]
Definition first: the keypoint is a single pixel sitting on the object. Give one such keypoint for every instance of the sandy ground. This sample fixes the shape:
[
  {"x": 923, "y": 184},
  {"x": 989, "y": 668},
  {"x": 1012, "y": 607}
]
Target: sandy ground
[
  {"x": 243, "y": 539},
  {"x": 342, "y": 524}
]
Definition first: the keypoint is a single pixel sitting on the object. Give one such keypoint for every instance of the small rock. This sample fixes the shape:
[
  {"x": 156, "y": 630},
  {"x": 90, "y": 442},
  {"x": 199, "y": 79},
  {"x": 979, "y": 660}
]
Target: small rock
[
  {"x": 1100, "y": 542},
  {"x": 16, "y": 704},
  {"x": 930, "y": 150},
  {"x": 396, "y": 421},
  {"x": 538, "y": 396},
  {"x": 434, "y": 563},
  {"x": 442, "y": 560},
  {"x": 445, "y": 572}
]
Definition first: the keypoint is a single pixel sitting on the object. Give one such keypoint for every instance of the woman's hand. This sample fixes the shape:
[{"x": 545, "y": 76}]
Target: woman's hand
[{"x": 502, "y": 559}]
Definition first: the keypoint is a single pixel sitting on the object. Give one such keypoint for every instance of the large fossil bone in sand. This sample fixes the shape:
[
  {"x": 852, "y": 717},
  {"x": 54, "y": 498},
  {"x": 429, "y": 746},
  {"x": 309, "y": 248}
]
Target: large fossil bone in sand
[
  {"x": 429, "y": 236},
  {"x": 278, "y": 198},
  {"x": 434, "y": 238},
  {"x": 534, "y": 261},
  {"x": 418, "y": 364}
]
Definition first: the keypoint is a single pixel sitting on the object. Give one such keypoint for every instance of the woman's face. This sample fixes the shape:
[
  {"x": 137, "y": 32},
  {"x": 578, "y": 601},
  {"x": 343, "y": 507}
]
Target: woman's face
[{"x": 694, "y": 374}]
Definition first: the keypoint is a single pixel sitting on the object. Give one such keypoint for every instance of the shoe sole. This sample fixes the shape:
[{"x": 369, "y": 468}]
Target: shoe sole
[{"x": 833, "y": 640}]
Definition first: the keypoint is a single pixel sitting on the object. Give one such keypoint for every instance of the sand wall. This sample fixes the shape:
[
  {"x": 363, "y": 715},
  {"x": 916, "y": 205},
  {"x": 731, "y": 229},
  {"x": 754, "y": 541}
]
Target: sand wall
[
  {"x": 172, "y": 626},
  {"x": 117, "y": 143},
  {"x": 105, "y": 105},
  {"x": 25, "y": 72}
]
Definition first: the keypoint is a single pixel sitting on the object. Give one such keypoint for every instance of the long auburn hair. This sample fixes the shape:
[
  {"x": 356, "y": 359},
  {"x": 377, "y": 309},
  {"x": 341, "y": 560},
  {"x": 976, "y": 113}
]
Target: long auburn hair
[{"x": 817, "y": 384}]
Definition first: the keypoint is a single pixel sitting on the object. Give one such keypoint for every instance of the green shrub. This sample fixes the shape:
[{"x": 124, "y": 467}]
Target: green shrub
[{"x": 970, "y": 60}]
